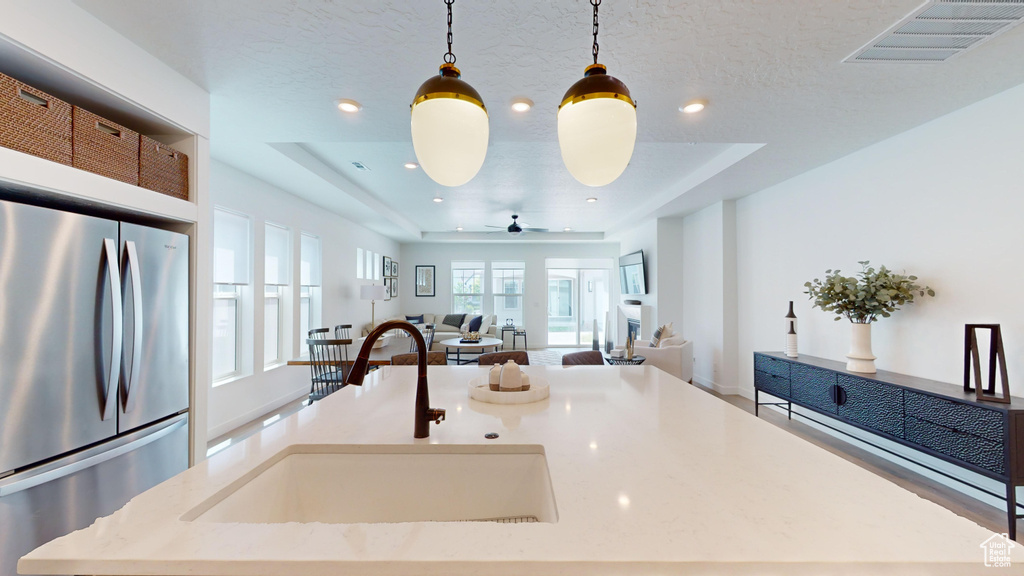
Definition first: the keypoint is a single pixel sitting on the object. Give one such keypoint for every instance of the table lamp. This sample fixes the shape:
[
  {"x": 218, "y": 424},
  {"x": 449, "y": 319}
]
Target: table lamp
[{"x": 372, "y": 292}]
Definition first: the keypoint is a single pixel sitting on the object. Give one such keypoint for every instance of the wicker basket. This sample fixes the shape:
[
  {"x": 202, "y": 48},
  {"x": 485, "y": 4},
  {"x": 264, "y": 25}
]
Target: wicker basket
[
  {"x": 34, "y": 122},
  {"x": 105, "y": 148},
  {"x": 162, "y": 168}
]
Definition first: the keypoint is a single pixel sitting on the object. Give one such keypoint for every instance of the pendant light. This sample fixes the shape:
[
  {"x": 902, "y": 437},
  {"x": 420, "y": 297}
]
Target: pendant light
[
  {"x": 449, "y": 124},
  {"x": 597, "y": 124}
]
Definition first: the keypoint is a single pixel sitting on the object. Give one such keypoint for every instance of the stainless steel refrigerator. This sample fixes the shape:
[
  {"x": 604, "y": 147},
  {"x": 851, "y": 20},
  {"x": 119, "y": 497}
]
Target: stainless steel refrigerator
[{"x": 94, "y": 369}]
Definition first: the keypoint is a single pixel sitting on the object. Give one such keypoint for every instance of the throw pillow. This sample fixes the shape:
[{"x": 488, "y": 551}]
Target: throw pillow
[
  {"x": 414, "y": 319},
  {"x": 486, "y": 324},
  {"x": 454, "y": 320},
  {"x": 656, "y": 337},
  {"x": 673, "y": 340},
  {"x": 474, "y": 324}
]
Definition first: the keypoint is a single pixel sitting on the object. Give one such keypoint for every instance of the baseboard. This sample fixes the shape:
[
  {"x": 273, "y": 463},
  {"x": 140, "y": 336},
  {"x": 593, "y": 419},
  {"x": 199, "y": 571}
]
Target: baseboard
[
  {"x": 255, "y": 413},
  {"x": 726, "y": 390}
]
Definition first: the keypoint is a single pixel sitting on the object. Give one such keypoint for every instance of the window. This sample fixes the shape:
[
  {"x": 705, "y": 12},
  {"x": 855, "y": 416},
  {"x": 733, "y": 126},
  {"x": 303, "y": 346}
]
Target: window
[
  {"x": 275, "y": 276},
  {"x": 468, "y": 287},
  {"x": 309, "y": 287},
  {"x": 507, "y": 287},
  {"x": 359, "y": 263},
  {"x": 231, "y": 257}
]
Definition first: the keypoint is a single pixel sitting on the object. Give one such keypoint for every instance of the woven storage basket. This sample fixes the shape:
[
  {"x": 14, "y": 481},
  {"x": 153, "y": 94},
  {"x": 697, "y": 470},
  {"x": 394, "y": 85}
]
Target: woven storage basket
[
  {"x": 105, "y": 148},
  {"x": 162, "y": 168},
  {"x": 34, "y": 122}
]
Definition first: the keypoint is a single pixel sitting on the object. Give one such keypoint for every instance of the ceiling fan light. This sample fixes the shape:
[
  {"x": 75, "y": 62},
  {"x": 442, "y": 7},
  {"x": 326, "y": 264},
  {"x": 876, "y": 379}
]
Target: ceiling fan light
[
  {"x": 597, "y": 127},
  {"x": 449, "y": 128}
]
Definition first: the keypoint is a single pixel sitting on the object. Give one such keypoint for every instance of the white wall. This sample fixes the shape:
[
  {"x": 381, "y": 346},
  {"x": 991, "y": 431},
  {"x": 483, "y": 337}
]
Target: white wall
[
  {"x": 643, "y": 236},
  {"x": 669, "y": 272},
  {"x": 942, "y": 201},
  {"x": 239, "y": 401},
  {"x": 441, "y": 255}
]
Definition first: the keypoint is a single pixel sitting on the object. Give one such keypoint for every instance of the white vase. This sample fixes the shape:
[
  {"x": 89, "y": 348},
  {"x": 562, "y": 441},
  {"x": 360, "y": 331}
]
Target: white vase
[{"x": 860, "y": 357}]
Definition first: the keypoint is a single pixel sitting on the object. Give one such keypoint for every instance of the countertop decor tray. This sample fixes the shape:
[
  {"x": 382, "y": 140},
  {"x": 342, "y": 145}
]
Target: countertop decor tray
[{"x": 480, "y": 390}]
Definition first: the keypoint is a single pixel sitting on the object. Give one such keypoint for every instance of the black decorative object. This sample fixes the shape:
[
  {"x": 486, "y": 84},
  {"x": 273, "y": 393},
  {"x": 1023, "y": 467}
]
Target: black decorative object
[
  {"x": 633, "y": 302},
  {"x": 791, "y": 332},
  {"x": 995, "y": 356},
  {"x": 934, "y": 418}
]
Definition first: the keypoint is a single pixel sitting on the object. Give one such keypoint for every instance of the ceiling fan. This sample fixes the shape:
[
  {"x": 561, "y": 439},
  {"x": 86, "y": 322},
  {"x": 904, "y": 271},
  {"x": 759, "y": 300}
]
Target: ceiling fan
[{"x": 515, "y": 228}]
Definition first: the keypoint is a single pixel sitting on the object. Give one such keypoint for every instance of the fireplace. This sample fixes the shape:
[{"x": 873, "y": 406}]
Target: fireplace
[
  {"x": 633, "y": 328},
  {"x": 636, "y": 320}
]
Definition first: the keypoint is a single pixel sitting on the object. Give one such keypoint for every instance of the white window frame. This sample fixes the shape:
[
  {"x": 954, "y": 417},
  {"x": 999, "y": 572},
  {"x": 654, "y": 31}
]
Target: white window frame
[
  {"x": 498, "y": 270},
  {"x": 236, "y": 289},
  {"x": 310, "y": 293},
  {"x": 275, "y": 292},
  {"x": 476, "y": 267},
  {"x": 220, "y": 293}
]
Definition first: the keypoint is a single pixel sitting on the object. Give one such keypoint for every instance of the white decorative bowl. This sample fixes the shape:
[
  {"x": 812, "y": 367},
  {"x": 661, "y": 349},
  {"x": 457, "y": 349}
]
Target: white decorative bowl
[{"x": 480, "y": 390}]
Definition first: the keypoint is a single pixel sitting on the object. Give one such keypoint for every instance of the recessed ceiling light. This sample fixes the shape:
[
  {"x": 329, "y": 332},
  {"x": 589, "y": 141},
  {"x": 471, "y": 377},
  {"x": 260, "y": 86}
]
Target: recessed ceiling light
[
  {"x": 458, "y": 228},
  {"x": 438, "y": 199},
  {"x": 693, "y": 106},
  {"x": 349, "y": 106},
  {"x": 522, "y": 104},
  {"x": 567, "y": 229},
  {"x": 591, "y": 200},
  {"x": 412, "y": 165}
]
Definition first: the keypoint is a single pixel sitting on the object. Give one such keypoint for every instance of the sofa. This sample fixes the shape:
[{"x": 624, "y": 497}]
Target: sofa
[
  {"x": 674, "y": 354},
  {"x": 444, "y": 331}
]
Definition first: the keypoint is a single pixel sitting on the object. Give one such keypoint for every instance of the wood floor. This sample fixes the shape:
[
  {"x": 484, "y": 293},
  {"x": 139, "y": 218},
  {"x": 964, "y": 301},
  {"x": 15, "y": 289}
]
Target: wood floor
[{"x": 957, "y": 502}]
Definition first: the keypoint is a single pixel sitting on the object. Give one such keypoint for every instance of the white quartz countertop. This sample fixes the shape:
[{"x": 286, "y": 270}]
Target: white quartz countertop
[{"x": 650, "y": 476}]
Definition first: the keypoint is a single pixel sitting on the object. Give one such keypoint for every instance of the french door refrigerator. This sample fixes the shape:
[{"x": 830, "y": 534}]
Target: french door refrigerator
[{"x": 94, "y": 369}]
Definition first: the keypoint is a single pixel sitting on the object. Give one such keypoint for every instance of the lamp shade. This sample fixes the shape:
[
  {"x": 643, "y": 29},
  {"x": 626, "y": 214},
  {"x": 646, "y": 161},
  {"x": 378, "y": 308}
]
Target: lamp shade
[
  {"x": 597, "y": 127},
  {"x": 372, "y": 292},
  {"x": 449, "y": 128}
]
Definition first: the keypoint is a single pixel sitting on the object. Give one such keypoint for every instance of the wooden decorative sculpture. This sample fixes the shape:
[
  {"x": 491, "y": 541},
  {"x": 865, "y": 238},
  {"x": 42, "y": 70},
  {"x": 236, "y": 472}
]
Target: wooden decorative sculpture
[{"x": 995, "y": 356}]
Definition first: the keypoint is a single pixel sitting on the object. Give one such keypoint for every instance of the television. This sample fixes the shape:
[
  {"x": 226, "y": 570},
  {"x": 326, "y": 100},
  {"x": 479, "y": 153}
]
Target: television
[{"x": 632, "y": 275}]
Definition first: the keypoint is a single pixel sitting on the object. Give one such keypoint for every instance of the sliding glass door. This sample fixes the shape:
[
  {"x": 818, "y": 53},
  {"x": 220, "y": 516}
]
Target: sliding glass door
[{"x": 576, "y": 299}]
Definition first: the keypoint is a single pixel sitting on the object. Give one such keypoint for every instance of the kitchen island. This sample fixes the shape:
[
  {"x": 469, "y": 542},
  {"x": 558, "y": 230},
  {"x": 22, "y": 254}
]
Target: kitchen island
[{"x": 650, "y": 476}]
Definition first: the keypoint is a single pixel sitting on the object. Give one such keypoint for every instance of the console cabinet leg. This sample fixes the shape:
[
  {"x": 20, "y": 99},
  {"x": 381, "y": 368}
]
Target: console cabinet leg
[
  {"x": 756, "y": 401},
  {"x": 1011, "y": 511}
]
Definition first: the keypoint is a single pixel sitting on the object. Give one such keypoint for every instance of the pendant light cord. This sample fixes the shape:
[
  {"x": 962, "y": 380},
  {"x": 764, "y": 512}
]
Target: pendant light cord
[
  {"x": 594, "y": 3},
  {"x": 449, "y": 57}
]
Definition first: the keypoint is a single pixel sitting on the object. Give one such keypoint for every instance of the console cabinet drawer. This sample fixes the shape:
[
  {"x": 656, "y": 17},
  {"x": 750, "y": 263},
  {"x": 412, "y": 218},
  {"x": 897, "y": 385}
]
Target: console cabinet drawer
[
  {"x": 771, "y": 365},
  {"x": 772, "y": 384},
  {"x": 872, "y": 404},
  {"x": 812, "y": 386},
  {"x": 956, "y": 444},
  {"x": 976, "y": 420}
]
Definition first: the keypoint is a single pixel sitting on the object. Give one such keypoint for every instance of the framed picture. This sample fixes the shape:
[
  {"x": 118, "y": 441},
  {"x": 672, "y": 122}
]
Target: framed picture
[
  {"x": 425, "y": 281},
  {"x": 387, "y": 289},
  {"x": 394, "y": 269},
  {"x": 386, "y": 268},
  {"x": 394, "y": 287}
]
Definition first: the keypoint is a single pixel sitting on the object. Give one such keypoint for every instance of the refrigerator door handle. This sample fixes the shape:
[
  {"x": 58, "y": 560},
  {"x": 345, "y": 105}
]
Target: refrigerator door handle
[
  {"x": 132, "y": 372},
  {"x": 9, "y": 486},
  {"x": 117, "y": 325}
]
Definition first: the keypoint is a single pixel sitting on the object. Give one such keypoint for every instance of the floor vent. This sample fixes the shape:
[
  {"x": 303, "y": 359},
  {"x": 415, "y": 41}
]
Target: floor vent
[{"x": 941, "y": 29}]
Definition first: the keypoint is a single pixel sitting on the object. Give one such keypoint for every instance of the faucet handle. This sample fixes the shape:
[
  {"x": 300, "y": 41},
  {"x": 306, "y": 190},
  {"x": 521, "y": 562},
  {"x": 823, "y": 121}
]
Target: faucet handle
[{"x": 436, "y": 414}]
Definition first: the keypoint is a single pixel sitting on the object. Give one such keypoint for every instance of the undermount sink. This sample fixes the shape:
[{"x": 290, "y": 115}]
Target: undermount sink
[{"x": 344, "y": 484}]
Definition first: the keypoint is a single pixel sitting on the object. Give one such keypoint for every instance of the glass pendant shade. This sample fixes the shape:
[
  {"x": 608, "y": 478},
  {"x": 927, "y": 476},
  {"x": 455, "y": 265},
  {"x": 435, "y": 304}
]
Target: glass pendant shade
[
  {"x": 449, "y": 128},
  {"x": 597, "y": 127}
]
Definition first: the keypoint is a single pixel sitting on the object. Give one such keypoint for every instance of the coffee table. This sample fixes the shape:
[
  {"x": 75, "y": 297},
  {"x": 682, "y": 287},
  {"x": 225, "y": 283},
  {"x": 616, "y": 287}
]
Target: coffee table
[
  {"x": 623, "y": 361},
  {"x": 459, "y": 346}
]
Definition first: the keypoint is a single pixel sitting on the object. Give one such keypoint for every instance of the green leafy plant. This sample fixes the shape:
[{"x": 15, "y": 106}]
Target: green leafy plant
[{"x": 867, "y": 295}]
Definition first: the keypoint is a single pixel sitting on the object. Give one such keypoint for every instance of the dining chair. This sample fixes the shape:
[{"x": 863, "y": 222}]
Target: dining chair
[
  {"x": 328, "y": 367},
  {"x": 411, "y": 359},
  {"x": 341, "y": 331},
  {"x": 587, "y": 358},
  {"x": 428, "y": 337},
  {"x": 318, "y": 333},
  {"x": 519, "y": 356}
]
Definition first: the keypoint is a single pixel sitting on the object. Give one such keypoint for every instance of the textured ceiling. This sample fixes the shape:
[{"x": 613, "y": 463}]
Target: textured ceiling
[{"x": 771, "y": 71}]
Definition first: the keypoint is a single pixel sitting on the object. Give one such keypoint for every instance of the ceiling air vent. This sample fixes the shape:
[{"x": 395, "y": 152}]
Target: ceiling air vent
[
  {"x": 941, "y": 29},
  {"x": 361, "y": 167}
]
